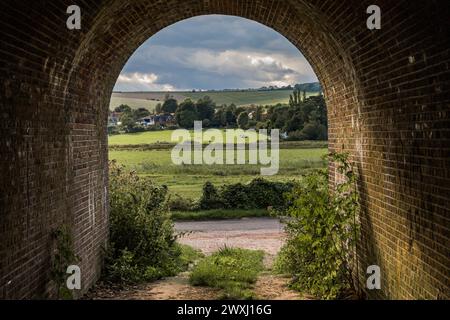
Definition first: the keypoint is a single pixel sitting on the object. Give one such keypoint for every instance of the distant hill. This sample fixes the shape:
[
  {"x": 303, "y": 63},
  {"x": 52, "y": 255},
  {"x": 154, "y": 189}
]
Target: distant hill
[
  {"x": 240, "y": 97},
  {"x": 309, "y": 87}
]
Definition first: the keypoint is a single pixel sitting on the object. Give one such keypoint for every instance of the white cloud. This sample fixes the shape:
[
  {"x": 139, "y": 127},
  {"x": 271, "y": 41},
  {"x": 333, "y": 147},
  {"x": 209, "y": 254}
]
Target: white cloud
[
  {"x": 252, "y": 67},
  {"x": 141, "y": 82},
  {"x": 215, "y": 52}
]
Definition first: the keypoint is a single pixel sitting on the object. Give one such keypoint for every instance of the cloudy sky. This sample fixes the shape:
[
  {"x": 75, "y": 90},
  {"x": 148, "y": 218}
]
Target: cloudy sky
[{"x": 214, "y": 52}]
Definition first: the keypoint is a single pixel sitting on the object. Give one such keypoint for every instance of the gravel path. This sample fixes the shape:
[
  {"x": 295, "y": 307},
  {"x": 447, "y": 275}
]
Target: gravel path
[{"x": 249, "y": 233}]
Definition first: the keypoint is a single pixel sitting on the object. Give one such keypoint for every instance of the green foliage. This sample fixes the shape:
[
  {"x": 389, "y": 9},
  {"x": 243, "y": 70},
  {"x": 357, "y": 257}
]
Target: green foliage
[
  {"x": 189, "y": 256},
  {"x": 243, "y": 120},
  {"x": 158, "y": 108},
  {"x": 128, "y": 121},
  {"x": 141, "y": 113},
  {"x": 123, "y": 108},
  {"x": 188, "y": 181},
  {"x": 142, "y": 240},
  {"x": 304, "y": 119},
  {"x": 219, "y": 214},
  {"x": 232, "y": 270},
  {"x": 62, "y": 257},
  {"x": 258, "y": 194},
  {"x": 205, "y": 108},
  {"x": 170, "y": 105},
  {"x": 210, "y": 197},
  {"x": 186, "y": 114},
  {"x": 112, "y": 130},
  {"x": 322, "y": 232},
  {"x": 179, "y": 203}
]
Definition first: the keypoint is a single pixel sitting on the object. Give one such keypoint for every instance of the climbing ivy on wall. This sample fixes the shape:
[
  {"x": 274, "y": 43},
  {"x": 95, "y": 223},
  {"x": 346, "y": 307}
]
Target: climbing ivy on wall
[{"x": 63, "y": 256}]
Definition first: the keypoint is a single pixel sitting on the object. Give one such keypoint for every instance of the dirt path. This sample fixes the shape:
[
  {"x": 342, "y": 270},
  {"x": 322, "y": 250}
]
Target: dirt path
[
  {"x": 249, "y": 233},
  {"x": 208, "y": 236}
]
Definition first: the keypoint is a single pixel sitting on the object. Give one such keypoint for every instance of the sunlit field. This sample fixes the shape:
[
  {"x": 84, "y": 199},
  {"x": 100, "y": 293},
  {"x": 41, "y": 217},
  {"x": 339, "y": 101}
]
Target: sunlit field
[{"x": 187, "y": 180}]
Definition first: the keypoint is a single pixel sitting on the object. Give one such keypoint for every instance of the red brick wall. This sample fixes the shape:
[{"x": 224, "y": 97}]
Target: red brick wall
[{"x": 387, "y": 93}]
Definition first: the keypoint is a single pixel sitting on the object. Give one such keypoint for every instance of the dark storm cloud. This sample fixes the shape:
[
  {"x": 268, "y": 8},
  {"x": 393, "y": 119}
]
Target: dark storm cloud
[{"x": 214, "y": 52}]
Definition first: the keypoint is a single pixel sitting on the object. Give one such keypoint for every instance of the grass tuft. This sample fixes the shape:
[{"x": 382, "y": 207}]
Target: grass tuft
[{"x": 233, "y": 270}]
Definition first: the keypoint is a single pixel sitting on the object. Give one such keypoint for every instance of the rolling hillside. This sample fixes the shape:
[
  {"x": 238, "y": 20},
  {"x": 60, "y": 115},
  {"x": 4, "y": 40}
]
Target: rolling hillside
[{"x": 241, "y": 98}]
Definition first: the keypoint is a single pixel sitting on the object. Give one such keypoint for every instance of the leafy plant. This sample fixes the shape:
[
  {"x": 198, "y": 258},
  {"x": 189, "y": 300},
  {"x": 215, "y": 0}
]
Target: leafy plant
[
  {"x": 63, "y": 256},
  {"x": 179, "y": 203},
  {"x": 258, "y": 194},
  {"x": 210, "y": 197},
  {"x": 142, "y": 239},
  {"x": 322, "y": 232}
]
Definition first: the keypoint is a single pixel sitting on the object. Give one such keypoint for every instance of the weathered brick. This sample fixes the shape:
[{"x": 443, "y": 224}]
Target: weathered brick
[{"x": 388, "y": 95}]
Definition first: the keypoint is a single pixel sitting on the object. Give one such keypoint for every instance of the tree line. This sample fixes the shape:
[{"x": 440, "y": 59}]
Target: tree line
[{"x": 303, "y": 118}]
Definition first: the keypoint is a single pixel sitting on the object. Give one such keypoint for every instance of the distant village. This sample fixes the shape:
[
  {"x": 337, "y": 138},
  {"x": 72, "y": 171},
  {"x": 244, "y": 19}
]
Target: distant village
[
  {"x": 303, "y": 118},
  {"x": 161, "y": 120}
]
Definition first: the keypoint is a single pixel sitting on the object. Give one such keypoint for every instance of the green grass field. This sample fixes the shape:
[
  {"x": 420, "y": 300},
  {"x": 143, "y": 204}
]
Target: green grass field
[
  {"x": 133, "y": 103},
  {"x": 151, "y": 137},
  {"x": 187, "y": 180},
  {"x": 240, "y": 98}
]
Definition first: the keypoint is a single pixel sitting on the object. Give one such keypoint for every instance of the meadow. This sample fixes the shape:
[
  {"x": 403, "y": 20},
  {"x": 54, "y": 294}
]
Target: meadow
[
  {"x": 152, "y": 137},
  {"x": 187, "y": 180},
  {"x": 132, "y": 102},
  {"x": 149, "y": 100}
]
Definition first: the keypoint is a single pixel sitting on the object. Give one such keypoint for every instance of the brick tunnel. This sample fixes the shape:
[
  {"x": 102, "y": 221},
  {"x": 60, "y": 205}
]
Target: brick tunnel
[{"x": 388, "y": 97}]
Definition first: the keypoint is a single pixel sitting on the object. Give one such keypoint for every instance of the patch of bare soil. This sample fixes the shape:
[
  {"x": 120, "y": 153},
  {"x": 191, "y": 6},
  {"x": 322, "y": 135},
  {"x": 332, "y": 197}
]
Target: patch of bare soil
[
  {"x": 174, "y": 288},
  {"x": 267, "y": 287},
  {"x": 275, "y": 287}
]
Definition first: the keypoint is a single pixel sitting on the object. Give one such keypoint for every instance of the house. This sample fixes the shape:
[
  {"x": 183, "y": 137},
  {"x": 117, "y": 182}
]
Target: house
[
  {"x": 161, "y": 119},
  {"x": 146, "y": 121},
  {"x": 114, "y": 118}
]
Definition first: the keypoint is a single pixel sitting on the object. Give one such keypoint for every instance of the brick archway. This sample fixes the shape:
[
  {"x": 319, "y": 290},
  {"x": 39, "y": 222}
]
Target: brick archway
[{"x": 387, "y": 92}]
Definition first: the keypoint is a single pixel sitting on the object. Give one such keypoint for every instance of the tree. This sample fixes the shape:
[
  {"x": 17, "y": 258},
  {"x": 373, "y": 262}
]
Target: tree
[
  {"x": 219, "y": 118},
  {"x": 243, "y": 120},
  {"x": 295, "y": 99},
  {"x": 206, "y": 108},
  {"x": 170, "y": 105},
  {"x": 314, "y": 131},
  {"x": 158, "y": 108},
  {"x": 258, "y": 113},
  {"x": 141, "y": 113},
  {"x": 230, "y": 118},
  {"x": 123, "y": 108},
  {"x": 238, "y": 111},
  {"x": 186, "y": 114},
  {"x": 128, "y": 122}
]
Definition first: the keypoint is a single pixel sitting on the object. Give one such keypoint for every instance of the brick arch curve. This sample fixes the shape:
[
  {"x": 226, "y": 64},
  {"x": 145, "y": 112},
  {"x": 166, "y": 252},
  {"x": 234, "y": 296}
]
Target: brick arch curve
[{"x": 387, "y": 93}]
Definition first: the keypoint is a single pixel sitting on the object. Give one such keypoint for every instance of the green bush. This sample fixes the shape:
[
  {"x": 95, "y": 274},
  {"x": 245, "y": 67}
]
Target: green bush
[
  {"x": 258, "y": 194},
  {"x": 178, "y": 203},
  {"x": 264, "y": 193},
  {"x": 235, "y": 196},
  {"x": 322, "y": 232},
  {"x": 142, "y": 239},
  {"x": 218, "y": 214},
  {"x": 210, "y": 197}
]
